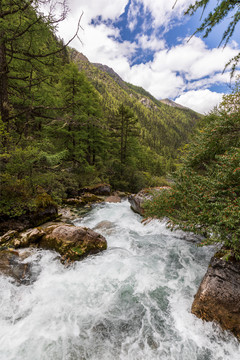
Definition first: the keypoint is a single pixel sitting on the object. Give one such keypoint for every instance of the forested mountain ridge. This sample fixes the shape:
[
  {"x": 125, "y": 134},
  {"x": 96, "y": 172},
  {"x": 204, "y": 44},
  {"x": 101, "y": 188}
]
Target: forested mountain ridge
[{"x": 164, "y": 128}]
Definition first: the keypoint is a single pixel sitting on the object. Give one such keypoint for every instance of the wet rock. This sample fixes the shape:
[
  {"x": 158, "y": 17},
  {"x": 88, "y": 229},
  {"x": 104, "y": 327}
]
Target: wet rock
[
  {"x": 99, "y": 189},
  {"x": 24, "y": 239},
  {"x": 113, "y": 199},
  {"x": 137, "y": 200},
  {"x": 72, "y": 242},
  {"x": 11, "y": 265},
  {"x": 106, "y": 226},
  {"x": 11, "y": 234},
  {"x": 68, "y": 214},
  {"x": 218, "y": 297}
]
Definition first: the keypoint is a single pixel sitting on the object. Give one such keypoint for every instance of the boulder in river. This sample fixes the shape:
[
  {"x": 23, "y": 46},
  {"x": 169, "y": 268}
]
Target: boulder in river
[
  {"x": 71, "y": 242},
  {"x": 218, "y": 297}
]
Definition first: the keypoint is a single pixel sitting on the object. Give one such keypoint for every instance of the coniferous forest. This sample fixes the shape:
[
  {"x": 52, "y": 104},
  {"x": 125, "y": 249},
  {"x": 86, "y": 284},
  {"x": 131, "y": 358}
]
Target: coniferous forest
[{"x": 67, "y": 123}]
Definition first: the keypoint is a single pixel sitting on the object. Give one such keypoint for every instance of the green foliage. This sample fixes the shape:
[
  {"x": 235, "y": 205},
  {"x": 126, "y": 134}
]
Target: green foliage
[
  {"x": 164, "y": 129},
  {"x": 205, "y": 196},
  {"x": 15, "y": 197}
]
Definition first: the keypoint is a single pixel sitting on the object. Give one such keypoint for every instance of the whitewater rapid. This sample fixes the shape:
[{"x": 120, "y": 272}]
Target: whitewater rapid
[{"x": 131, "y": 302}]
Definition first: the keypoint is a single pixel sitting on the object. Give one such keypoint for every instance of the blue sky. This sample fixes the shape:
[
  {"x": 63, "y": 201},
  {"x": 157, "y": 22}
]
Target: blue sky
[{"x": 147, "y": 42}]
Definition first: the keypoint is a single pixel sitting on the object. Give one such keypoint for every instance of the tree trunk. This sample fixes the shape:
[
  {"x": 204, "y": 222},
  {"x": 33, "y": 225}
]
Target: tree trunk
[{"x": 4, "y": 102}]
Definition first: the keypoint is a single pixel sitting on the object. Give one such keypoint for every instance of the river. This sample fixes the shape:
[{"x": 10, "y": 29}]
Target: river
[{"x": 131, "y": 302}]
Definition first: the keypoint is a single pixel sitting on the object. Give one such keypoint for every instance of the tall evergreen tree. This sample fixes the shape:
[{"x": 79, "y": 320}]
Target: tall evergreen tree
[
  {"x": 82, "y": 128},
  {"x": 124, "y": 126}
]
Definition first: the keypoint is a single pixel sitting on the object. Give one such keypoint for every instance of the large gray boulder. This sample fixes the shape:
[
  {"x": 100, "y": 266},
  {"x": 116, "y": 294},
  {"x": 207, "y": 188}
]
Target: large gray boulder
[{"x": 218, "y": 297}]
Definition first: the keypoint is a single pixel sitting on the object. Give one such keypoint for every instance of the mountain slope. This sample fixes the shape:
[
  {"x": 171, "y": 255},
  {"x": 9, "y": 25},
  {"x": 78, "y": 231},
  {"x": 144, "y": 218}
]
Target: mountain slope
[
  {"x": 172, "y": 103},
  {"x": 164, "y": 128}
]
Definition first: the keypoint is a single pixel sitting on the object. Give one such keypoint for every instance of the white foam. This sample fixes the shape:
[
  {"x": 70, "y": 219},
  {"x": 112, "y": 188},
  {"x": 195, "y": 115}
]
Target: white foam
[{"x": 131, "y": 302}]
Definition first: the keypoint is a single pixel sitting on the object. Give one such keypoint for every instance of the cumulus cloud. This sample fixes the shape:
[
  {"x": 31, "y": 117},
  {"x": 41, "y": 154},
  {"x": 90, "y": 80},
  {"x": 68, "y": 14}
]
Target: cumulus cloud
[
  {"x": 201, "y": 101},
  {"x": 163, "y": 12},
  {"x": 171, "y": 72},
  {"x": 107, "y": 9}
]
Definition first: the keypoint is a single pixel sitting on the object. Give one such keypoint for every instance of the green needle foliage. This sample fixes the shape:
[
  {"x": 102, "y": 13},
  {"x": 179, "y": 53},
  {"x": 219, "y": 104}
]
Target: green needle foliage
[
  {"x": 205, "y": 196},
  {"x": 224, "y": 9}
]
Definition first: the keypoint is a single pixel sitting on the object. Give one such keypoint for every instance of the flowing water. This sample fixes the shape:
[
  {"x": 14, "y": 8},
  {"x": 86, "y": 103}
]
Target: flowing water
[{"x": 131, "y": 302}]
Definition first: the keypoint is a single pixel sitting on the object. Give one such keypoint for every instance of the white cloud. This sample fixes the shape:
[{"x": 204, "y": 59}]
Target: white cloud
[
  {"x": 201, "y": 101},
  {"x": 161, "y": 84},
  {"x": 163, "y": 12},
  {"x": 150, "y": 42},
  {"x": 171, "y": 71},
  {"x": 108, "y": 9}
]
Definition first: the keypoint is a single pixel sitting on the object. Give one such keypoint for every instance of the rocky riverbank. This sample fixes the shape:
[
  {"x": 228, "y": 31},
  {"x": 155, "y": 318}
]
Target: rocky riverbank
[{"x": 71, "y": 242}]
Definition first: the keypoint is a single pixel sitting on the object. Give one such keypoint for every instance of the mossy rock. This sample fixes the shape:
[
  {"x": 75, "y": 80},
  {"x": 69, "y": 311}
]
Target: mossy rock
[{"x": 72, "y": 242}]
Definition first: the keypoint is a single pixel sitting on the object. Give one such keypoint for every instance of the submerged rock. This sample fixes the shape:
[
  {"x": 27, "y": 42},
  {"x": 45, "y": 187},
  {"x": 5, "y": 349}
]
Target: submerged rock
[
  {"x": 11, "y": 265},
  {"x": 106, "y": 226},
  {"x": 218, "y": 297}
]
